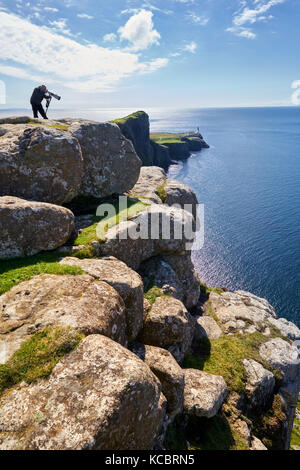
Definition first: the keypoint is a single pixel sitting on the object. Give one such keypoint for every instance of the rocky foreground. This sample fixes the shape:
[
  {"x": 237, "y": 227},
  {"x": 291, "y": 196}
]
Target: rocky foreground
[{"x": 111, "y": 342}]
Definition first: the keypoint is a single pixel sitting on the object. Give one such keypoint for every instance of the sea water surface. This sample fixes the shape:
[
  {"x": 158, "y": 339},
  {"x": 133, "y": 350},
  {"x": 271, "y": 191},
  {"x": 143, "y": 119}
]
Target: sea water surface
[{"x": 249, "y": 183}]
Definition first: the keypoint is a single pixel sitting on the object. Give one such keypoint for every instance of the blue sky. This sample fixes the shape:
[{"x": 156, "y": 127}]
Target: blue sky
[{"x": 177, "y": 53}]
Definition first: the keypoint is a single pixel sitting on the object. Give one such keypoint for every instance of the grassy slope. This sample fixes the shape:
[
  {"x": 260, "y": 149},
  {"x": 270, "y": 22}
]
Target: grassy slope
[
  {"x": 131, "y": 116},
  {"x": 166, "y": 138},
  {"x": 295, "y": 441}
]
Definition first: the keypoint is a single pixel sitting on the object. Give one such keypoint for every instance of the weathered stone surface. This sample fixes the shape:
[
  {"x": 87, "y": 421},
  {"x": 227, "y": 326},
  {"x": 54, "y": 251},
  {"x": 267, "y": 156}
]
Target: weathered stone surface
[
  {"x": 283, "y": 356},
  {"x": 150, "y": 179},
  {"x": 110, "y": 164},
  {"x": 260, "y": 384},
  {"x": 169, "y": 373},
  {"x": 286, "y": 328},
  {"x": 39, "y": 163},
  {"x": 101, "y": 396},
  {"x": 175, "y": 276},
  {"x": 169, "y": 325},
  {"x": 256, "y": 444},
  {"x": 15, "y": 120},
  {"x": 78, "y": 301},
  {"x": 126, "y": 282},
  {"x": 207, "y": 327},
  {"x": 26, "y": 228},
  {"x": 179, "y": 193},
  {"x": 158, "y": 229},
  {"x": 203, "y": 393}
]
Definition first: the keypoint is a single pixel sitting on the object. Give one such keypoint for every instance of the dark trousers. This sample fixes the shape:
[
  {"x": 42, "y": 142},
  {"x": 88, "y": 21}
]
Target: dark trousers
[{"x": 38, "y": 108}]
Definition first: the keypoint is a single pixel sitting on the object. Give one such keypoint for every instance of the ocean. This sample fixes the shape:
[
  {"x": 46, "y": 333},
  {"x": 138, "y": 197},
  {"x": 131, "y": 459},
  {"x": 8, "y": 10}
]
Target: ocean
[{"x": 249, "y": 183}]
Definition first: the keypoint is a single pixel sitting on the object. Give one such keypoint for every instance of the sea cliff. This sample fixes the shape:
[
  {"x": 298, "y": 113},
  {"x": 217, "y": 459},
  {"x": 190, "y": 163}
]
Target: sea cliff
[{"x": 105, "y": 332}]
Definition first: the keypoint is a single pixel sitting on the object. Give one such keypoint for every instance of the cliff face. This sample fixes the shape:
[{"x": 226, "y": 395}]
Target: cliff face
[
  {"x": 158, "y": 149},
  {"x": 115, "y": 329}
]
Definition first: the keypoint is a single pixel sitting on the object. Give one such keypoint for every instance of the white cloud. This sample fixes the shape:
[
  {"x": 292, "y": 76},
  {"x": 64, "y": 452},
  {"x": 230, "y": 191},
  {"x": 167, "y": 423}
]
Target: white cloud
[
  {"x": 246, "y": 15},
  {"x": 38, "y": 54},
  {"x": 191, "y": 47},
  {"x": 52, "y": 10},
  {"x": 85, "y": 16},
  {"x": 295, "y": 98},
  {"x": 201, "y": 20},
  {"x": 60, "y": 26},
  {"x": 110, "y": 37},
  {"x": 139, "y": 31}
]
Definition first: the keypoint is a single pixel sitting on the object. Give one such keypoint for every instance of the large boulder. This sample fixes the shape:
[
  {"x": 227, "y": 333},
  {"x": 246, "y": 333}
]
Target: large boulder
[
  {"x": 79, "y": 301},
  {"x": 169, "y": 373},
  {"x": 158, "y": 229},
  {"x": 39, "y": 163},
  {"x": 101, "y": 397},
  {"x": 150, "y": 180},
  {"x": 26, "y": 228},
  {"x": 179, "y": 193},
  {"x": 203, "y": 393},
  {"x": 260, "y": 384},
  {"x": 169, "y": 325},
  {"x": 175, "y": 276},
  {"x": 126, "y": 282},
  {"x": 207, "y": 328},
  {"x": 110, "y": 164}
]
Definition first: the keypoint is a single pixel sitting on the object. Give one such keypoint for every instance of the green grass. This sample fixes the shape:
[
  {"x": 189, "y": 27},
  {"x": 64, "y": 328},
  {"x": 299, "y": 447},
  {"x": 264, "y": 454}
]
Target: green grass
[
  {"x": 161, "y": 192},
  {"x": 153, "y": 293},
  {"x": 37, "y": 356},
  {"x": 98, "y": 232},
  {"x": 130, "y": 116},
  {"x": 224, "y": 356},
  {"x": 166, "y": 138},
  {"x": 12, "y": 272},
  {"x": 205, "y": 289},
  {"x": 295, "y": 440},
  {"x": 61, "y": 127}
]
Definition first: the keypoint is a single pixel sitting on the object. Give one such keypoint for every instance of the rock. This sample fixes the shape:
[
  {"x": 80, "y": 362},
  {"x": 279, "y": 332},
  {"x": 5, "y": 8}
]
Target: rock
[
  {"x": 79, "y": 301},
  {"x": 150, "y": 179},
  {"x": 203, "y": 393},
  {"x": 110, "y": 164},
  {"x": 179, "y": 280},
  {"x": 126, "y": 282},
  {"x": 15, "y": 120},
  {"x": 39, "y": 163},
  {"x": 161, "y": 155},
  {"x": 282, "y": 356},
  {"x": 136, "y": 128},
  {"x": 169, "y": 325},
  {"x": 286, "y": 328},
  {"x": 158, "y": 229},
  {"x": 256, "y": 444},
  {"x": 27, "y": 228},
  {"x": 260, "y": 384},
  {"x": 98, "y": 397},
  {"x": 207, "y": 327},
  {"x": 179, "y": 193},
  {"x": 195, "y": 142},
  {"x": 169, "y": 373},
  {"x": 178, "y": 150}
]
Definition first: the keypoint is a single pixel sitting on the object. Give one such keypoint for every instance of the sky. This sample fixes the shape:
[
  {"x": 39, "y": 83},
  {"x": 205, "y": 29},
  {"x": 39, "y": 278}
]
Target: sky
[{"x": 156, "y": 53}]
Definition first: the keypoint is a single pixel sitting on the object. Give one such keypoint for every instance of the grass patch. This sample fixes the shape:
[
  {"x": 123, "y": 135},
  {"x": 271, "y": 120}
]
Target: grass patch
[
  {"x": 268, "y": 427},
  {"x": 153, "y": 293},
  {"x": 84, "y": 253},
  {"x": 37, "y": 356},
  {"x": 224, "y": 356},
  {"x": 295, "y": 439},
  {"x": 89, "y": 234},
  {"x": 161, "y": 192},
  {"x": 166, "y": 138},
  {"x": 12, "y": 272},
  {"x": 61, "y": 127},
  {"x": 135, "y": 115},
  {"x": 205, "y": 289}
]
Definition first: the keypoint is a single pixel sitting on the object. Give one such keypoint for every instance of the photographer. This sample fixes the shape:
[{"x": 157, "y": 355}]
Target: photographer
[{"x": 39, "y": 93}]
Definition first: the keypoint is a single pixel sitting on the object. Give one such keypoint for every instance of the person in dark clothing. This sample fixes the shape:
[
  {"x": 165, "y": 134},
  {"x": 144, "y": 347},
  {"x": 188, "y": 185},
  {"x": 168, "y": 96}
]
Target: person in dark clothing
[{"x": 38, "y": 95}]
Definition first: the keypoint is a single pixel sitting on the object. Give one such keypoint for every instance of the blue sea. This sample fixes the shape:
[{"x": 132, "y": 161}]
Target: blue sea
[{"x": 249, "y": 183}]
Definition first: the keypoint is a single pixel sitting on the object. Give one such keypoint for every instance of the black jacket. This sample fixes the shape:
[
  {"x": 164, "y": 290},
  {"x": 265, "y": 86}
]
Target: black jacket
[{"x": 37, "y": 96}]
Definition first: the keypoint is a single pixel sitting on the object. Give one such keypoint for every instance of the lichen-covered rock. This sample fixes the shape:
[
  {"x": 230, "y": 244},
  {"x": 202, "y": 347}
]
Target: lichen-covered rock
[
  {"x": 39, "y": 163},
  {"x": 169, "y": 373},
  {"x": 260, "y": 384},
  {"x": 158, "y": 229},
  {"x": 126, "y": 282},
  {"x": 207, "y": 327},
  {"x": 101, "y": 397},
  {"x": 175, "y": 276},
  {"x": 169, "y": 325},
  {"x": 110, "y": 164},
  {"x": 150, "y": 180},
  {"x": 283, "y": 356},
  {"x": 179, "y": 193},
  {"x": 79, "y": 301},
  {"x": 26, "y": 228},
  {"x": 203, "y": 393}
]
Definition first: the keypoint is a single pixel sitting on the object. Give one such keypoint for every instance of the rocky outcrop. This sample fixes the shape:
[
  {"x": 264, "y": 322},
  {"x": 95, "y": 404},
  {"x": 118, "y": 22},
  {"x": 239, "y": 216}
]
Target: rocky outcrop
[
  {"x": 203, "y": 393},
  {"x": 124, "y": 280},
  {"x": 110, "y": 163},
  {"x": 169, "y": 373},
  {"x": 26, "y": 228},
  {"x": 168, "y": 325},
  {"x": 80, "y": 302},
  {"x": 207, "y": 328},
  {"x": 136, "y": 128},
  {"x": 151, "y": 179},
  {"x": 260, "y": 384},
  {"x": 98, "y": 397},
  {"x": 39, "y": 163}
]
